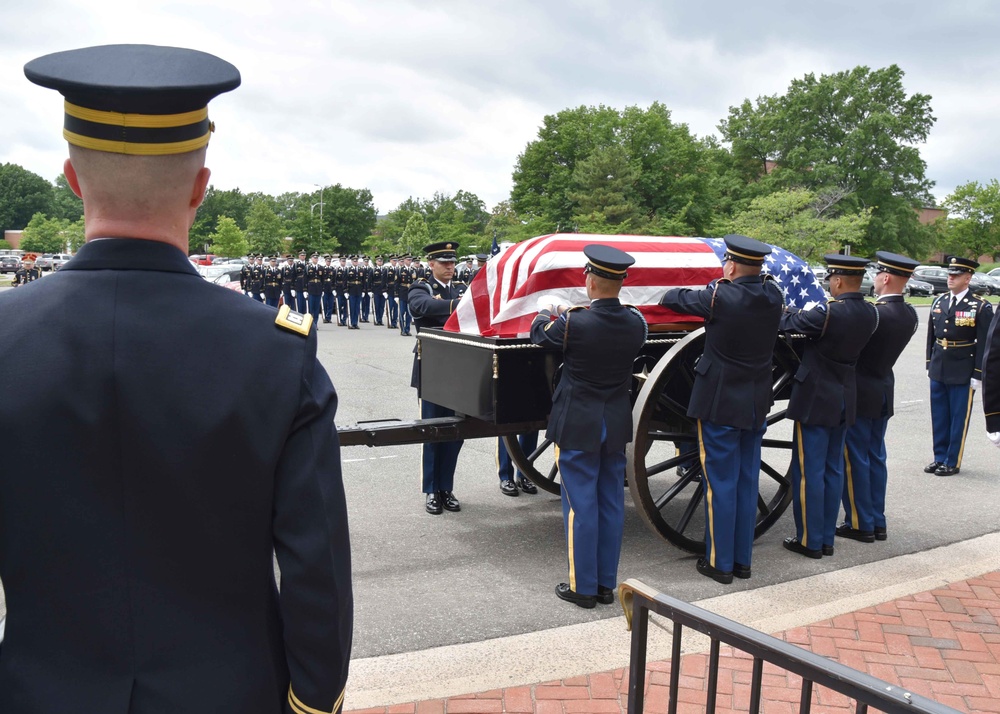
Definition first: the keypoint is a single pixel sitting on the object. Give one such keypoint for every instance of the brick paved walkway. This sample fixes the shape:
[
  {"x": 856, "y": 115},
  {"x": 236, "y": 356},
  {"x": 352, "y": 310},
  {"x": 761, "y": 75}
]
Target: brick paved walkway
[{"x": 943, "y": 644}]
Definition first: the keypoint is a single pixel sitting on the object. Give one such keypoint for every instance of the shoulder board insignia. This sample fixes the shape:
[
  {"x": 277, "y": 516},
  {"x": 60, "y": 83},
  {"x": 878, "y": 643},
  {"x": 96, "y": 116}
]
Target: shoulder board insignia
[{"x": 293, "y": 321}]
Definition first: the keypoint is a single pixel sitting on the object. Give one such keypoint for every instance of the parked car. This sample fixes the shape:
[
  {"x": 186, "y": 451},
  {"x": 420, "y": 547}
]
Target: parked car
[
  {"x": 919, "y": 288},
  {"x": 226, "y": 278},
  {"x": 211, "y": 272},
  {"x": 933, "y": 274},
  {"x": 9, "y": 264},
  {"x": 981, "y": 284},
  {"x": 58, "y": 260},
  {"x": 44, "y": 262},
  {"x": 994, "y": 281},
  {"x": 202, "y": 259}
]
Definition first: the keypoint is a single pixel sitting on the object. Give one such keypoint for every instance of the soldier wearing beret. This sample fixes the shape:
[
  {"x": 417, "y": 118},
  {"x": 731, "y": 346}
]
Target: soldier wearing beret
[
  {"x": 823, "y": 403},
  {"x": 27, "y": 273},
  {"x": 866, "y": 473},
  {"x": 591, "y": 421},
  {"x": 956, "y": 340},
  {"x": 731, "y": 398},
  {"x": 137, "y": 558},
  {"x": 432, "y": 301}
]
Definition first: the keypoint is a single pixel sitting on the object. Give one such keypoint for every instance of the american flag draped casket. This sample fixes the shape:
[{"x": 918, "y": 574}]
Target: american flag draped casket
[{"x": 503, "y": 299}]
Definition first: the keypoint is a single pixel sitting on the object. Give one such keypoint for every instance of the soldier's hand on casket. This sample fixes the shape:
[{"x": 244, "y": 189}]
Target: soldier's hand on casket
[{"x": 977, "y": 384}]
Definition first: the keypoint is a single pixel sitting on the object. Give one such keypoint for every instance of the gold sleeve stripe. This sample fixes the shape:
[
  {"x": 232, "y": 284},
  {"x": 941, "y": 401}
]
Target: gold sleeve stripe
[
  {"x": 144, "y": 121},
  {"x": 300, "y": 708},
  {"x": 125, "y": 147}
]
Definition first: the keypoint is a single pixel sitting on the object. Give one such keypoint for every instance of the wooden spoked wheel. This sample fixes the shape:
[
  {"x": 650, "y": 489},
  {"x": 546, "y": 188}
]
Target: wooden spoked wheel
[{"x": 663, "y": 465}]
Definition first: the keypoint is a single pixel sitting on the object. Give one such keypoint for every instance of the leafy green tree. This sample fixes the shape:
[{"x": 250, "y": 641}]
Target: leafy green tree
[
  {"x": 854, "y": 132},
  {"x": 348, "y": 217},
  {"x": 415, "y": 236},
  {"x": 973, "y": 225},
  {"x": 44, "y": 234},
  {"x": 74, "y": 233},
  {"x": 65, "y": 203},
  {"x": 233, "y": 204},
  {"x": 4, "y": 245},
  {"x": 661, "y": 176},
  {"x": 22, "y": 195},
  {"x": 228, "y": 240},
  {"x": 802, "y": 222},
  {"x": 265, "y": 231}
]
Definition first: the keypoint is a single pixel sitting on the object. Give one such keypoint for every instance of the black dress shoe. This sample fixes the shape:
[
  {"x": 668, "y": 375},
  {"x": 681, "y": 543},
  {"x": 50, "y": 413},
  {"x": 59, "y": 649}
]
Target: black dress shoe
[
  {"x": 932, "y": 467},
  {"x": 433, "y": 504},
  {"x": 564, "y": 593},
  {"x": 507, "y": 488},
  {"x": 845, "y": 531},
  {"x": 715, "y": 574},
  {"x": 450, "y": 502},
  {"x": 526, "y": 486},
  {"x": 741, "y": 571},
  {"x": 945, "y": 470},
  {"x": 793, "y": 545},
  {"x": 881, "y": 533},
  {"x": 827, "y": 550},
  {"x": 605, "y": 596}
]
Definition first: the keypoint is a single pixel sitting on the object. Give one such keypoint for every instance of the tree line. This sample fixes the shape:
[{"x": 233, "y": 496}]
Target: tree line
[{"x": 831, "y": 163}]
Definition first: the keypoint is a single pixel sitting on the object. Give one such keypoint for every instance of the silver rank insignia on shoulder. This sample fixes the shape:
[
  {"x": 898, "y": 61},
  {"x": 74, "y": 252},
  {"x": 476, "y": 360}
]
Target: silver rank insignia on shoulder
[{"x": 293, "y": 321}]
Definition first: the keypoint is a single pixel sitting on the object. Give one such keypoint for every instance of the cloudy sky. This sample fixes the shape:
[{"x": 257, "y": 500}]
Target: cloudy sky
[{"x": 409, "y": 98}]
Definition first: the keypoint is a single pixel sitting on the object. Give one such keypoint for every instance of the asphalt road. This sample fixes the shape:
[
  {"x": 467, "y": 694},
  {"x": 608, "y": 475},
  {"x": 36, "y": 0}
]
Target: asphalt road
[{"x": 489, "y": 571}]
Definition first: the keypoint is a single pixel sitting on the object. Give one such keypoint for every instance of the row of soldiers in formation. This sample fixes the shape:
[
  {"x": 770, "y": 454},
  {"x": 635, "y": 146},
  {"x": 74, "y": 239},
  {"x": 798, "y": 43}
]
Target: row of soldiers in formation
[{"x": 343, "y": 285}]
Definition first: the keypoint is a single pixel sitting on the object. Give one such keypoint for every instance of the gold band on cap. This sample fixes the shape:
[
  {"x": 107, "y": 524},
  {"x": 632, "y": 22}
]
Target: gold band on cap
[
  {"x": 758, "y": 258},
  {"x": 125, "y": 147},
  {"x": 139, "y": 121},
  {"x": 895, "y": 267},
  {"x": 606, "y": 269}
]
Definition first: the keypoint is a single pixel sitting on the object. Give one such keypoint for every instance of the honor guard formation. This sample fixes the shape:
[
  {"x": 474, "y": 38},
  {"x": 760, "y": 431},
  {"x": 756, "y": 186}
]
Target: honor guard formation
[{"x": 139, "y": 575}]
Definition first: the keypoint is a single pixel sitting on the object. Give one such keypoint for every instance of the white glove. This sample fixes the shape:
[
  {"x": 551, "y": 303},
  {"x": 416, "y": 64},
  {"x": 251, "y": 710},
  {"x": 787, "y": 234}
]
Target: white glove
[
  {"x": 385, "y": 295},
  {"x": 305, "y": 293},
  {"x": 293, "y": 294},
  {"x": 994, "y": 437},
  {"x": 263, "y": 296},
  {"x": 335, "y": 293},
  {"x": 977, "y": 384},
  {"x": 545, "y": 304}
]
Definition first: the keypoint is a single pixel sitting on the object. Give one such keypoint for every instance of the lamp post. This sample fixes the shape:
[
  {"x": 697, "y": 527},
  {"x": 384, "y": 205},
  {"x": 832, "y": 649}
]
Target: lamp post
[{"x": 321, "y": 188}]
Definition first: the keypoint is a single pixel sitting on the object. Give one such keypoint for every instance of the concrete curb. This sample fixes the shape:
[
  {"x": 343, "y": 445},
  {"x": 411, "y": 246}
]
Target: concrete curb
[{"x": 600, "y": 646}]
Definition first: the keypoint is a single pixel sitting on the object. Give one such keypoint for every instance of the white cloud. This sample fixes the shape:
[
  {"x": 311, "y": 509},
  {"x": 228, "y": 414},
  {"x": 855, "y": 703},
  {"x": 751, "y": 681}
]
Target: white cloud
[{"x": 409, "y": 98}]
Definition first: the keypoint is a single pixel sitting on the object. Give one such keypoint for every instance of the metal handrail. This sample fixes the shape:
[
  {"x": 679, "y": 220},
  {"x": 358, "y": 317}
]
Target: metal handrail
[{"x": 638, "y": 600}]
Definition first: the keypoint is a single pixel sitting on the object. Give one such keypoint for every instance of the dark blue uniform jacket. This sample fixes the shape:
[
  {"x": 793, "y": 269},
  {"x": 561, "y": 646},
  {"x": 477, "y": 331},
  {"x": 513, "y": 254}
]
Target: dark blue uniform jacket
[
  {"x": 599, "y": 345},
  {"x": 171, "y": 437},
  {"x": 991, "y": 376},
  {"x": 956, "y": 338},
  {"x": 897, "y": 321},
  {"x": 825, "y": 384},
  {"x": 431, "y": 304},
  {"x": 733, "y": 383}
]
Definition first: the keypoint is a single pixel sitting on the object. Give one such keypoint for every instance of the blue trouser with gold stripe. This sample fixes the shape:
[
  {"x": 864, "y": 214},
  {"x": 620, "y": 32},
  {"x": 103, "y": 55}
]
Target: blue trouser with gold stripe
[
  {"x": 865, "y": 473},
  {"x": 730, "y": 461},
  {"x": 438, "y": 460},
  {"x": 817, "y": 482},
  {"x": 593, "y": 500},
  {"x": 505, "y": 467},
  {"x": 951, "y": 405}
]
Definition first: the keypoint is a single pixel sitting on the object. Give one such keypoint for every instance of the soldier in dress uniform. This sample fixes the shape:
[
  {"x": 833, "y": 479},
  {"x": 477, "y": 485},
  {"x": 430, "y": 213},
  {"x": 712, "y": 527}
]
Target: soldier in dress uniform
[
  {"x": 866, "y": 474},
  {"x": 380, "y": 289},
  {"x": 465, "y": 272},
  {"x": 137, "y": 557},
  {"x": 367, "y": 278},
  {"x": 340, "y": 286},
  {"x": 591, "y": 421},
  {"x": 481, "y": 259},
  {"x": 823, "y": 403},
  {"x": 355, "y": 286},
  {"x": 245, "y": 275},
  {"x": 272, "y": 282},
  {"x": 256, "y": 284},
  {"x": 27, "y": 273},
  {"x": 432, "y": 301},
  {"x": 391, "y": 283},
  {"x": 512, "y": 479},
  {"x": 731, "y": 398},
  {"x": 314, "y": 287},
  {"x": 328, "y": 273},
  {"x": 288, "y": 282},
  {"x": 956, "y": 340},
  {"x": 406, "y": 278},
  {"x": 300, "y": 283}
]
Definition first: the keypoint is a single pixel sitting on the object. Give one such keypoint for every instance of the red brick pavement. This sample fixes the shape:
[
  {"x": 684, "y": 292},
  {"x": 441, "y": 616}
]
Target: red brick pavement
[{"x": 943, "y": 644}]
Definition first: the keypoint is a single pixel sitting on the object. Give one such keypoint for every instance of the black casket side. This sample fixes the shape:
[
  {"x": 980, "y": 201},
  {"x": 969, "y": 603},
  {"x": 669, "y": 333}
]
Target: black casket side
[{"x": 499, "y": 380}]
